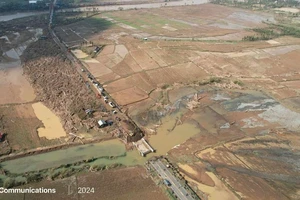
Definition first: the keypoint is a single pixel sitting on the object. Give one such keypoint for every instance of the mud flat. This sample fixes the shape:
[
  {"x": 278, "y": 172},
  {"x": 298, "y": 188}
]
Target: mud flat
[
  {"x": 13, "y": 83},
  {"x": 15, "y": 87},
  {"x": 53, "y": 128}
]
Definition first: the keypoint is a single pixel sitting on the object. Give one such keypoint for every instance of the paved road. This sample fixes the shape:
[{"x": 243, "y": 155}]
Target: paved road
[
  {"x": 76, "y": 63},
  {"x": 176, "y": 186}
]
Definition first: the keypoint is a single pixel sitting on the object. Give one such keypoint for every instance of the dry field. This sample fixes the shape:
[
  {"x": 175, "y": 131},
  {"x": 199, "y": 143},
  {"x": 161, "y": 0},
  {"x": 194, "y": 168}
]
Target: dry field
[
  {"x": 131, "y": 69},
  {"x": 245, "y": 145},
  {"x": 241, "y": 97},
  {"x": 118, "y": 184},
  {"x": 192, "y": 21}
]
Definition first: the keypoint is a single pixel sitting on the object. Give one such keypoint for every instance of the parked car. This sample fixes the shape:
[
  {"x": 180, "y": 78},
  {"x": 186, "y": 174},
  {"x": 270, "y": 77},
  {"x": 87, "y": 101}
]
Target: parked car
[
  {"x": 100, "y": 89},
  {"x": 96, "y": 49},
  {"x": 105, "y": 100},
  {"x": 111, "y": 104},
  {"x": 110, "y": 122},
  {"x": 114, "y": 112}
]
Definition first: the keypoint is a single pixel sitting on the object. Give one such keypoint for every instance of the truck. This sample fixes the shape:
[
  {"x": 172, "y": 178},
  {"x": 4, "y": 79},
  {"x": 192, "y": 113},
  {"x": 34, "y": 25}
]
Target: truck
[{"x": 167, "y": 182}]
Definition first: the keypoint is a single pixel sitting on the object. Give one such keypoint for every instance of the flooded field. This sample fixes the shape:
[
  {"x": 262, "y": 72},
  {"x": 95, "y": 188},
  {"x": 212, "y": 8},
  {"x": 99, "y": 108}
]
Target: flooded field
[
  {"x": 12, "y": 81},
  {"x": 166, "y": 138},
  {"x": 53, "y": 128},
  {"x": 15, "y": 86}
]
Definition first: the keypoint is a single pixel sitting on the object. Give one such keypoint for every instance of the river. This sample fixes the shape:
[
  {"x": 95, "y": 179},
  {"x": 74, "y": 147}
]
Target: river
[
  {"x": 19, "y": 15},
  {"x": 163, "y": 141}
]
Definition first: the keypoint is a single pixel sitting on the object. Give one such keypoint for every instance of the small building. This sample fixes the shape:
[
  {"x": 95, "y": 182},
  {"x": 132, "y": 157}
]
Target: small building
[
  {"x": 143, "y": 147},
  {"x": 102, "y": 123}
]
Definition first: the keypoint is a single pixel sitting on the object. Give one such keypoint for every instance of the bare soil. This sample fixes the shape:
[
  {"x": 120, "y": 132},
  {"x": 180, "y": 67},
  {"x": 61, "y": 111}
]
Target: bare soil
[{"x": 110, "y": 184}]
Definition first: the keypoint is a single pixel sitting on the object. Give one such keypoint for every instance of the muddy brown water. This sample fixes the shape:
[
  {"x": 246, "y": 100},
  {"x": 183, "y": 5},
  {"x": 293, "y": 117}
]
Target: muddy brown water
[
  {"x": 65, "y": 156},
  {"x": 163, "y": 141},
  {"x": 15, "y": 87},
  {"x": 13, "y": 83},
  {"x": 166, "y": 138},
  {"x": 53, "y": 127}
]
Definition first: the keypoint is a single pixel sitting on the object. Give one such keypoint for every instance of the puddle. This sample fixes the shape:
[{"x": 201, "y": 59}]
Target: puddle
[
  {"x": 53, "y": 128},
  {"x": 165, "y": 140}
]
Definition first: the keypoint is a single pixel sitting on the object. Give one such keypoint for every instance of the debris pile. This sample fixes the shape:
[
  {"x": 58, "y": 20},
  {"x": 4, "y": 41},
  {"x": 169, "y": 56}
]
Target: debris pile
[{"x": 57, "y": 83}]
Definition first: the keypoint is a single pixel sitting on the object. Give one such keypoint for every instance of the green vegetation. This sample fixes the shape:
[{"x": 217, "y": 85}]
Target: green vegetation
[
  {"x": 250, "y": 4},
  {"x": 170, "y": 194},
  {"x": 60, "y": 172},
  {"x": 165, "y": 86},
  {"x": 211, "y": 80},
  {"x": 9, "y": 183},
  {"x": 34, "y": 177},
  {"x": 274, "y": 31},
  {"x": 237, "y": 82},
  {"x": 21, "y": 5}
]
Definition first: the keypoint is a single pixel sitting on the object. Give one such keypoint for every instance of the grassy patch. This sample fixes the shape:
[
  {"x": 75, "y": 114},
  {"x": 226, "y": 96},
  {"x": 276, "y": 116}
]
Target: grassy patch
[
  {"x": 237, "y": 82},
  {"x": 258, "y": 4},
  {"x": 274, "y": 31},
  {"x": 165, "y": 86},
  {"x": 211, "y": 80}
]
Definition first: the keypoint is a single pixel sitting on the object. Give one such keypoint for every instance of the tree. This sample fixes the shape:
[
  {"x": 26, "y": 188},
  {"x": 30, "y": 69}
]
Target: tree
[{"x": 9, "y": 182}]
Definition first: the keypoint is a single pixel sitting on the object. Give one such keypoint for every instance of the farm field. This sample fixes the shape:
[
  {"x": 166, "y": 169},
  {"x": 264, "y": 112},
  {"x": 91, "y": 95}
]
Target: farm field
[
  {"x": 177, "y": 69},
  {"x": 131, "y": 69},
  {"x": 123, "y": 183},
  {"x": 214, "y": 89},
  {"x": 18, "y": 119}
]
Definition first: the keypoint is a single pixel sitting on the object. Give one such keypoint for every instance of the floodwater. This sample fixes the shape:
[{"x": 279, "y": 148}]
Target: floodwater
[
  {"x": 18, "y": 15},
  {"x": 132, "y": 158},
  {"x": 165, "y": 139},
  {"x": 53, "y": 128},
  {"x": 68, "y": 156},
  {"x": 162, "y": 142},
  {"x": 13, "y": 83},
  {"x": 15, "y": 86}
]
